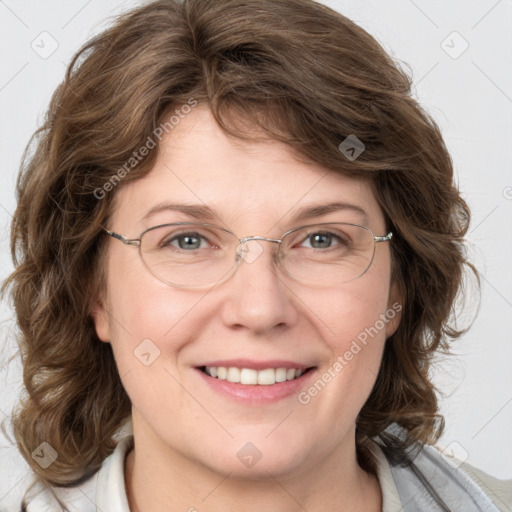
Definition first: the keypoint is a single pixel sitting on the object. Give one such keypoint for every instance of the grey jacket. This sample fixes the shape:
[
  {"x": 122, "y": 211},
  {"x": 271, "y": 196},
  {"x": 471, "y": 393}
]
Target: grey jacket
[{"x": 432, "y": 483}]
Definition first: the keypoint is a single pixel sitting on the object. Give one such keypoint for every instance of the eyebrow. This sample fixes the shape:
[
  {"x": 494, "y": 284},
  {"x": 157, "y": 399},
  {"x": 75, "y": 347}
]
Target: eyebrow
[
  {"x": 325, "y": 209},
  {"x": 197, "y": 211},
  {"x": 203, "y": 212}
]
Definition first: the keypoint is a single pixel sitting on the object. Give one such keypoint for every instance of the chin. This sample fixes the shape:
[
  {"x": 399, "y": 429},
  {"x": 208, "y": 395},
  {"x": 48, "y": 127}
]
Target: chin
[{"x": 258, "y": 459}]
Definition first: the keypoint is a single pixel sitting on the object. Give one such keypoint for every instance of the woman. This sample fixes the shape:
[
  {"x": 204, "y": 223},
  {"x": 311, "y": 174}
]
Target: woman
[{"x": 238, "y": 236}]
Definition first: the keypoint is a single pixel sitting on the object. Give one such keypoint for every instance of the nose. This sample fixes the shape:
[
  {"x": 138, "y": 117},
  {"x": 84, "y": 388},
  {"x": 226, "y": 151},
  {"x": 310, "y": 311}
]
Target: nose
[{"x": 258, "y": 296}]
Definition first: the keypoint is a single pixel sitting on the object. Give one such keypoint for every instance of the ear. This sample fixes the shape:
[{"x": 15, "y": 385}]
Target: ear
[
  {"x": 394, "y": 310},
  {"x": 99, "y": 314}
]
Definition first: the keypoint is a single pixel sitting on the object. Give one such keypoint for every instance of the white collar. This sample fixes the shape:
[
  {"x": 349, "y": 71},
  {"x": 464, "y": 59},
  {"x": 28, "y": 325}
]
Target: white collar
[{"x": 110, "y": 488}]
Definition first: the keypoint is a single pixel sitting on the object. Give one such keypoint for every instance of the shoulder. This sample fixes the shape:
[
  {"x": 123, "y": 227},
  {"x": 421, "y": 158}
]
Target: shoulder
[
  {"x": 433, "y": 481},
  {"x": 105, "y": 490},
  {"x": 41, "y": 498},
  {"x": 499, "y": 491}
]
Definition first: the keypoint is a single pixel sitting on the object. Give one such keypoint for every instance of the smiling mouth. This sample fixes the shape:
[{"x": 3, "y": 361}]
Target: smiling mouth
[{"x": 249, "y": 376}]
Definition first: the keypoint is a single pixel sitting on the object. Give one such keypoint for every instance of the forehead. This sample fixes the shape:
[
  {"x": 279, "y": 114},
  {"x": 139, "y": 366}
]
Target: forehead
[{"x": 257, "y": 183}]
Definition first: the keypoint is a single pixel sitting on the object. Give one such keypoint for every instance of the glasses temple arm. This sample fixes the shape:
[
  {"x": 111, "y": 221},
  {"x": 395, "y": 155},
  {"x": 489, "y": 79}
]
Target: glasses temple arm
[
  {"x": 386, "y": 238},
  {"x": 127, "y": 241}
]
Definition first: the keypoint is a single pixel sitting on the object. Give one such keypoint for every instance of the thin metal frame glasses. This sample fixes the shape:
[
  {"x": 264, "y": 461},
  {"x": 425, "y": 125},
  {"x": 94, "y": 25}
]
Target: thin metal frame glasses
[{"x": 335, "y": 252}]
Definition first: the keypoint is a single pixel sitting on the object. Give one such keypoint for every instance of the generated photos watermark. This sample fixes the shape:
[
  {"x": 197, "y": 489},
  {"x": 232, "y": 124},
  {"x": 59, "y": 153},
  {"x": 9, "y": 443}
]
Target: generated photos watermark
[
  {"x": 249, "y": 455},
  {"x": 45, "y": 455},
  {"x": 138, "y": 155},
  {"x": 351, "y": 147},
  {"x": 146, "y": 352},
  {"x": 342, "y": 360}
]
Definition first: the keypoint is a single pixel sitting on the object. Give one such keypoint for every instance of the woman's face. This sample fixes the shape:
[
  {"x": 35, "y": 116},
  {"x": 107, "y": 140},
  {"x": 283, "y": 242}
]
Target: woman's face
[{"x": 162, "y": 336}]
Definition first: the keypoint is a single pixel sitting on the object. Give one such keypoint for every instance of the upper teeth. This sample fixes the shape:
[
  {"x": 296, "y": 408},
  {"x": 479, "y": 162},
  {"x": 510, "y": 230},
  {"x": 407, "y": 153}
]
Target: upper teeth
[{"x": 249, "y": 376}]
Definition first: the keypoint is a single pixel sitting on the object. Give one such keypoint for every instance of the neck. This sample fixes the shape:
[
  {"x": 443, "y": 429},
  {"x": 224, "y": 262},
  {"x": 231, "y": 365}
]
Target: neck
[{"x": 159, "y": 479}]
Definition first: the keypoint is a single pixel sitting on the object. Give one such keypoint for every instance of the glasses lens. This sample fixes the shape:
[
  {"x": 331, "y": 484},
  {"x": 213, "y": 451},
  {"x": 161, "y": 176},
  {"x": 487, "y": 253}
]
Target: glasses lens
[
  {"x": 188, "y": 255},
  {"x": 328, "y": 254}
]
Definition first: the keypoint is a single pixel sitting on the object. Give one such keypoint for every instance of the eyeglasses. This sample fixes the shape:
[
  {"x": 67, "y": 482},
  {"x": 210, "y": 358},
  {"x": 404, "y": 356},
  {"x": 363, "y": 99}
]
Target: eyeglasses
[{"x": 190, "y": 255}]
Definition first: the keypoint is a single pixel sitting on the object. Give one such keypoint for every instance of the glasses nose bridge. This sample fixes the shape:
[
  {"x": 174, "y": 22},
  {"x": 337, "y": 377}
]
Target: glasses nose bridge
[
  {"x": 250, "y": 255},
  {"x": 262, "y": 238}
]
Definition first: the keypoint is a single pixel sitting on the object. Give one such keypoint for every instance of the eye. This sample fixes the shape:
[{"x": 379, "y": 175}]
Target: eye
[
  {"x": 324, "y": 240},
  {"x": 186, "y": 241}
]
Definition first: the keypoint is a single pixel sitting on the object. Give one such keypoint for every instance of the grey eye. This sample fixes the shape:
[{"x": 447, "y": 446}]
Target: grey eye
[
  {"x": 185, "y": 241},
  {"x": 324, "y": 240},
  {"x": 320, "y": 240}
]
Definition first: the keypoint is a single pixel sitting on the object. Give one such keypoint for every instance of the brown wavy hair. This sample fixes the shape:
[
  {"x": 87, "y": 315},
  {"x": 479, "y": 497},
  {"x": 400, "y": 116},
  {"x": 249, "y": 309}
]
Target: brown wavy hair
[{"x": 305, "y": 75}]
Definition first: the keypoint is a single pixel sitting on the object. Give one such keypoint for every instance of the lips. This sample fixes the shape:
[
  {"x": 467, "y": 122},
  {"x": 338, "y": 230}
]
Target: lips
[{"x": 251, "y": 381}]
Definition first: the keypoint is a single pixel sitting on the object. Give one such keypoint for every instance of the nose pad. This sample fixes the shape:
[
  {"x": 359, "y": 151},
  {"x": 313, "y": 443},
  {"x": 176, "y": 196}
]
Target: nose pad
[{"x": 249, "y": 251}]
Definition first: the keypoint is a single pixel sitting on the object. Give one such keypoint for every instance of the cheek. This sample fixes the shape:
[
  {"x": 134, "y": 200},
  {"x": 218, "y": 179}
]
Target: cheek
[
  {"x": 152, "y": 325},
  {"x": 353, "y": 321},
  {"x": 357, "y": 345},
  {"x": 149, "y": 323},
  {"x": 357, "y": 312}
]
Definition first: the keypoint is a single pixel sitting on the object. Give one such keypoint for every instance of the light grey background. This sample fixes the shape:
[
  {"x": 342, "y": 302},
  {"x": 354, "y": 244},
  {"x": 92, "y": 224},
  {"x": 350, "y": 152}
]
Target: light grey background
[{"x": 468, "y": 92}]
